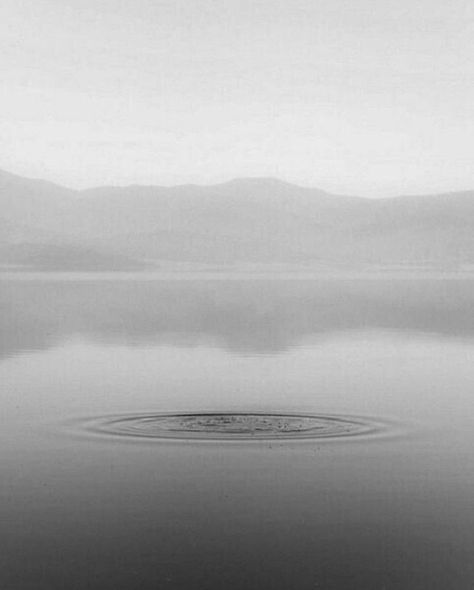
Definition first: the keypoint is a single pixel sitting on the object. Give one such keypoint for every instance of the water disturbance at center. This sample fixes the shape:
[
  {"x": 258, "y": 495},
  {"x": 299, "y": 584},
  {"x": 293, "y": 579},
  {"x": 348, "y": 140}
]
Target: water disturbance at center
[
  {"x": 237, "y": 434},
  {"x": 231, "y": 426}
]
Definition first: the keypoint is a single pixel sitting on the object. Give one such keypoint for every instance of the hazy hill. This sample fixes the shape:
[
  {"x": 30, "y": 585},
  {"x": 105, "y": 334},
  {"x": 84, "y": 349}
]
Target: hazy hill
[
  {"x": 245, "y": 221},
  {"x": 63, "y": 257},
  {"x": 37, "y": 203}
]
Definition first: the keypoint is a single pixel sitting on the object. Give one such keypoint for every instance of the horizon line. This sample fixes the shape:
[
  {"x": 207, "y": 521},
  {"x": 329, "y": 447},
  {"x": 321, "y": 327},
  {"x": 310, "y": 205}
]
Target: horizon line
[{"x": 233, "y": 180}]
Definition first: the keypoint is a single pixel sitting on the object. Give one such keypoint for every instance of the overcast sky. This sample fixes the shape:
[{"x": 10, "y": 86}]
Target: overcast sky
[{"x": 372, "y": 97}]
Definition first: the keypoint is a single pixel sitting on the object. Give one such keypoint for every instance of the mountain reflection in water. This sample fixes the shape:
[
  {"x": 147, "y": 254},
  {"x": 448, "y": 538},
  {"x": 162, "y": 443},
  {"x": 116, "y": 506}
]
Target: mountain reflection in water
[
  {"x": 94, "y": 373},
  {"x": 246, "y": 316}
]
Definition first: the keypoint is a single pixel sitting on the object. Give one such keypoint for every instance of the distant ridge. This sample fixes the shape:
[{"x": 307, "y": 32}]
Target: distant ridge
[{"x": 245, "y": 221}]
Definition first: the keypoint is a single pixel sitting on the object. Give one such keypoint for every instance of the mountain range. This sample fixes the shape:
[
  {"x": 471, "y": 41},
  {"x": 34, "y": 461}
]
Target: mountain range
[{"x": 243, "y": 223}]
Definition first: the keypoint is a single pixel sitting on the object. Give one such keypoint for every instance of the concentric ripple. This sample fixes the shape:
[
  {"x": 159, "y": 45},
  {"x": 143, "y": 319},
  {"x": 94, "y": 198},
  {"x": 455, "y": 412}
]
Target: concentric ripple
[{"x": 231, "y": 426}]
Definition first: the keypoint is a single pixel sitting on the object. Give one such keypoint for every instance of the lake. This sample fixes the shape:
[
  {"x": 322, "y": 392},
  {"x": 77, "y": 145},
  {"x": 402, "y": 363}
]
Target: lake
[{"x": 377, "y": 494}]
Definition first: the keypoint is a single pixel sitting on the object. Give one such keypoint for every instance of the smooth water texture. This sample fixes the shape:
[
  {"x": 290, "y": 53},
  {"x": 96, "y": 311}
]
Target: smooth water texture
[{"x": 237, "y": 434}]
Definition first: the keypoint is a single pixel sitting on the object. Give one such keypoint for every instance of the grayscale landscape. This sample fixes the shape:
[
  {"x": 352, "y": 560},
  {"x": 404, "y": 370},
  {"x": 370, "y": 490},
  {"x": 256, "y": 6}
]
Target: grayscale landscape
[
  {"x": 236, "y": 295},
  {"x": 236, "y": 431},
  {"x": 243, "y": 224}
]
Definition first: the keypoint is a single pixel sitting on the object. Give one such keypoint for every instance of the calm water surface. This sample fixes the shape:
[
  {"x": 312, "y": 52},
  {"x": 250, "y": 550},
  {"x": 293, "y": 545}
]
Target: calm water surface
[{"x": 389, "y": 508}]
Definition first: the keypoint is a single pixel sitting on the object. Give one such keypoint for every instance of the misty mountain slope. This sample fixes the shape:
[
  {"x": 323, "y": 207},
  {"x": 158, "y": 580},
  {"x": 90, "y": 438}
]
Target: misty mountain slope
[
  {"x": 396, "y": 231},
  {"x": 12, "y": 232},
  {"x": 428, "y": 212},
  {"x": 221, "y": 245},
  {"x": 34, "y": 202},
  {"x": 234, "y": 206},
  {"x": 64, "y": 257},
  {"x": 253, "y": 220},
  {"x": 36, "y": 248}
]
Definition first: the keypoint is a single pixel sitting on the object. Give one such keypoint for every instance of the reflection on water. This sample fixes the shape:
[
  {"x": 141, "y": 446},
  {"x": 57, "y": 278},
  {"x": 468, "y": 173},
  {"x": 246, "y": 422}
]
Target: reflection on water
[
  {"x": 253, "y": 315},
  {"x": 358, "y": 512}
]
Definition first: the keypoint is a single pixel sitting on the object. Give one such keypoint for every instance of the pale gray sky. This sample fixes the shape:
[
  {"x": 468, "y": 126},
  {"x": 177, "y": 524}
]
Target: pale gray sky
[{"x": 372, "y": 97}]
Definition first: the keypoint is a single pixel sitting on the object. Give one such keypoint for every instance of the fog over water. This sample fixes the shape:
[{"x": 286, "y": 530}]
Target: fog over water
[{"x": 389, "y": 507}]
